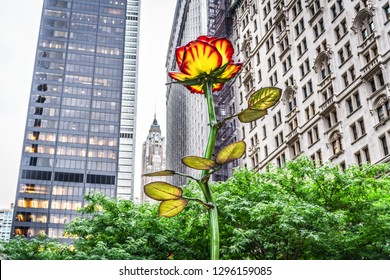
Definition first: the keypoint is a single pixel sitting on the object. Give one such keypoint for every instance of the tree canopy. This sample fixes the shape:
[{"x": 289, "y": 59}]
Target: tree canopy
[{"x": 299, "y": 211}]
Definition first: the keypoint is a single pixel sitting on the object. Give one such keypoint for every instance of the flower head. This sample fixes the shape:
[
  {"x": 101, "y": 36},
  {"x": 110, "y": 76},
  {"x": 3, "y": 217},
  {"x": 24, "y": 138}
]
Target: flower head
[{"x": 205, "y": 59}]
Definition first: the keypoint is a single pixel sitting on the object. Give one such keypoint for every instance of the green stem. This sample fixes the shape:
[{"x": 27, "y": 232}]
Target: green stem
[{"x": 213, "y": 213}]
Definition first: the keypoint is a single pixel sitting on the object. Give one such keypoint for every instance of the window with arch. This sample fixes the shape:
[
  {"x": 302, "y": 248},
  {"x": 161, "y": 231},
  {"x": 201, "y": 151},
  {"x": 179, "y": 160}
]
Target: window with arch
[
  {"x": 336, "y": 144},
  {"x": 322, "y": 64},
  {"x": 289, "y": 97},
  {"x": 382, "y": 109},
  {"x": 363, "y": 23}
]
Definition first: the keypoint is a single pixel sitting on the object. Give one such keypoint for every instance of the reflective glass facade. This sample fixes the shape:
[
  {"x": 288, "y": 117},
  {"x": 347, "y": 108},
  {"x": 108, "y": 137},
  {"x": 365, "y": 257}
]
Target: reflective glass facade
[{"x": 81, "y": 112}]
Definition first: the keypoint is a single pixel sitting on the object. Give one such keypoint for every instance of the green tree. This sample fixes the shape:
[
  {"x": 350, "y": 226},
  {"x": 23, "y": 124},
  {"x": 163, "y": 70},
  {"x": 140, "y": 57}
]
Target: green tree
[
  {"x": 123, "y": 230},
  {"x": 39, "y": 248},
  {"x": 299, "y": 211}
]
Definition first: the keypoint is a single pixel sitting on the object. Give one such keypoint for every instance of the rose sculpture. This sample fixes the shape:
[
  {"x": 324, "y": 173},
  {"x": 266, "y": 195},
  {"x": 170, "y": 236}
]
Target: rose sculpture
[{"x": 205, "y": 65}]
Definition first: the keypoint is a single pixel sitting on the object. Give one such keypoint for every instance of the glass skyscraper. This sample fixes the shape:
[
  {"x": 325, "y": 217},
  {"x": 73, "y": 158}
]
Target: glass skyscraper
[{"x": 80, "y": 127}]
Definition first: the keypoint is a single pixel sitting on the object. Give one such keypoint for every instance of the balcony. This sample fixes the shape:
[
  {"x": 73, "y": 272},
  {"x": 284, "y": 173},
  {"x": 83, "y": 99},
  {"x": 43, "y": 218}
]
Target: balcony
[
  {"x": 282, "y": 12},
  {"x": 283, "y": 33},
  {"x": 380, "y": 90},
  {"x": 367, "y": 43},
  {"x": 291, "y": 114},
  {"x": 327, "y": 105},
  {"x": 371, "y": 66},
  {"x": 325, "y": 82},
  {"x": 254, "y": 148},
  {"x": 292, "y": 136},
  {"x": 248, "y": 75}
]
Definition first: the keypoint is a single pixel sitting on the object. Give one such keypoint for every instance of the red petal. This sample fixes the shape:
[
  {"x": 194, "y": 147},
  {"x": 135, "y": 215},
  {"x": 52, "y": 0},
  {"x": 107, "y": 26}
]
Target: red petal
[
  {"x": 196, "y": 89},
  {"x": 217, "y": 87},
  {"x": 200, "y": 58},
  {"x": 179, "y": 55},
  {"x": 206, "y": 38},
  {"x": 225, "y": 48}
]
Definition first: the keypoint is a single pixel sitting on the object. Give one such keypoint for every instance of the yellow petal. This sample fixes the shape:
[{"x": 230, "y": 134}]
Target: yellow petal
[
  {"x": 200, "y": 58},
  {"x": 225, "y": 48},
  {"x": 230, "y": 71},
  {"x": 179, "y": 76}
]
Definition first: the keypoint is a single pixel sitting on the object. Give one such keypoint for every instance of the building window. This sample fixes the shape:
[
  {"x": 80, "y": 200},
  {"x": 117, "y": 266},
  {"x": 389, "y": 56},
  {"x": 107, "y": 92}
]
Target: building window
[
  {"x": 307, "y": 89},
  {"x": 299, "y": 28},
  {"x": 310, "y": 111},
  {"x": 314, "y": 7},
  {"x": 376, "y": 82},
  {"x": 304, "y": 68},
  {"x": 302, "y": 47},
  {"x": 331, "y": 119},
  {"x": 319, "y": 28},
  {"x": 383, "y": 109},
  {"x": 353, "y": 103},
  {"x": 385, "y": 147},
  {"x": 271, "y": 61},
  {"x": 295, "y": 149},
  {"x": 274, "y": 78},
  {"x": 366, "y": 154},
  {"x": 287, "y": 64},
  {"x": 336, "y": 143},
  {"x": 277, "y": 119},
  {"x": 337, "y": 8},
  {"x": 279, "y": 139},
  {"x": 370, "y": 54},
  {"x": 386, "y": 9},
  {"x": 281, "y": 160},
  {"x": 341, "y": 29}
]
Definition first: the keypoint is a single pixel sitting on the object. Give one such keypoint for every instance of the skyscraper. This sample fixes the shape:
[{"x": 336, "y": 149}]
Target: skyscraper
[
  {"x": 187, "y": 115},
  {"x": 79, "y": 135},
  {"x": 153, "y": 156},
  {"x": 6, "y": 222}
]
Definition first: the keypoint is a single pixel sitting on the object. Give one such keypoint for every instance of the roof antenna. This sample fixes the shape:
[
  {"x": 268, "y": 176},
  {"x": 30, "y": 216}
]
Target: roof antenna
[{"x": 155, "y": 118}]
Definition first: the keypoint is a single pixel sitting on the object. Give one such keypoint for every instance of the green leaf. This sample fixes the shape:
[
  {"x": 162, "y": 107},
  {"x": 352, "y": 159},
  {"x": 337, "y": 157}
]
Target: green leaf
[
  {"x": 170, "y": 208},
  {"x": 160, "y": 173},
  {"x": 162, "y": 191},
  {"x": 198, "y": 163},
  {"x": 231, "y": 152},
  {"x": 250, "y": 115},
  {"x": 264, "y": 98}
]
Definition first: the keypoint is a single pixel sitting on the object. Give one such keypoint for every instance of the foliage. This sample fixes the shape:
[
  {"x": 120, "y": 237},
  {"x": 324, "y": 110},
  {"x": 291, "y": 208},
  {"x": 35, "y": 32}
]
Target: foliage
[
  {"x": 303, "y": 212},
  {"x": 299, "y": 211},
  {"x": 39, "y": 248}
]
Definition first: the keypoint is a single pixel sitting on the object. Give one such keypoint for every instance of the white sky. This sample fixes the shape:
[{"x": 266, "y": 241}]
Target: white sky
[{"x": 19, "y": 25}]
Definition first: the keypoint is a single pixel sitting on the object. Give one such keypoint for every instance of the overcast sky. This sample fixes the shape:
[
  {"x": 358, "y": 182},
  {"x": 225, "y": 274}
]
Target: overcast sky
[{"x": 19, "y": 25}]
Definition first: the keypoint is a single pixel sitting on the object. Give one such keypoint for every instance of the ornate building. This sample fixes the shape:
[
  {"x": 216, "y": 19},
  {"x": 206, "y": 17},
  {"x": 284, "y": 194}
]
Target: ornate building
[
  {"x": 332, "y": 59},
  {"x": 79, "y": 135},
  {"x": 153, "y": 157}
]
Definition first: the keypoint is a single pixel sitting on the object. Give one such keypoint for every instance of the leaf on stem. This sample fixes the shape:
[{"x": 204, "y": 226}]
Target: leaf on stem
[
  {"x": 264, "y": 98},
  {"x": 249, "y": 115},
  {"x": 231, "y": 152},
  {"x": 162, "y": 191},
  {"x": 170, "y": 208},
  {"x": 198, "y": 163},
  {"x": 160, "y": 173}
]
